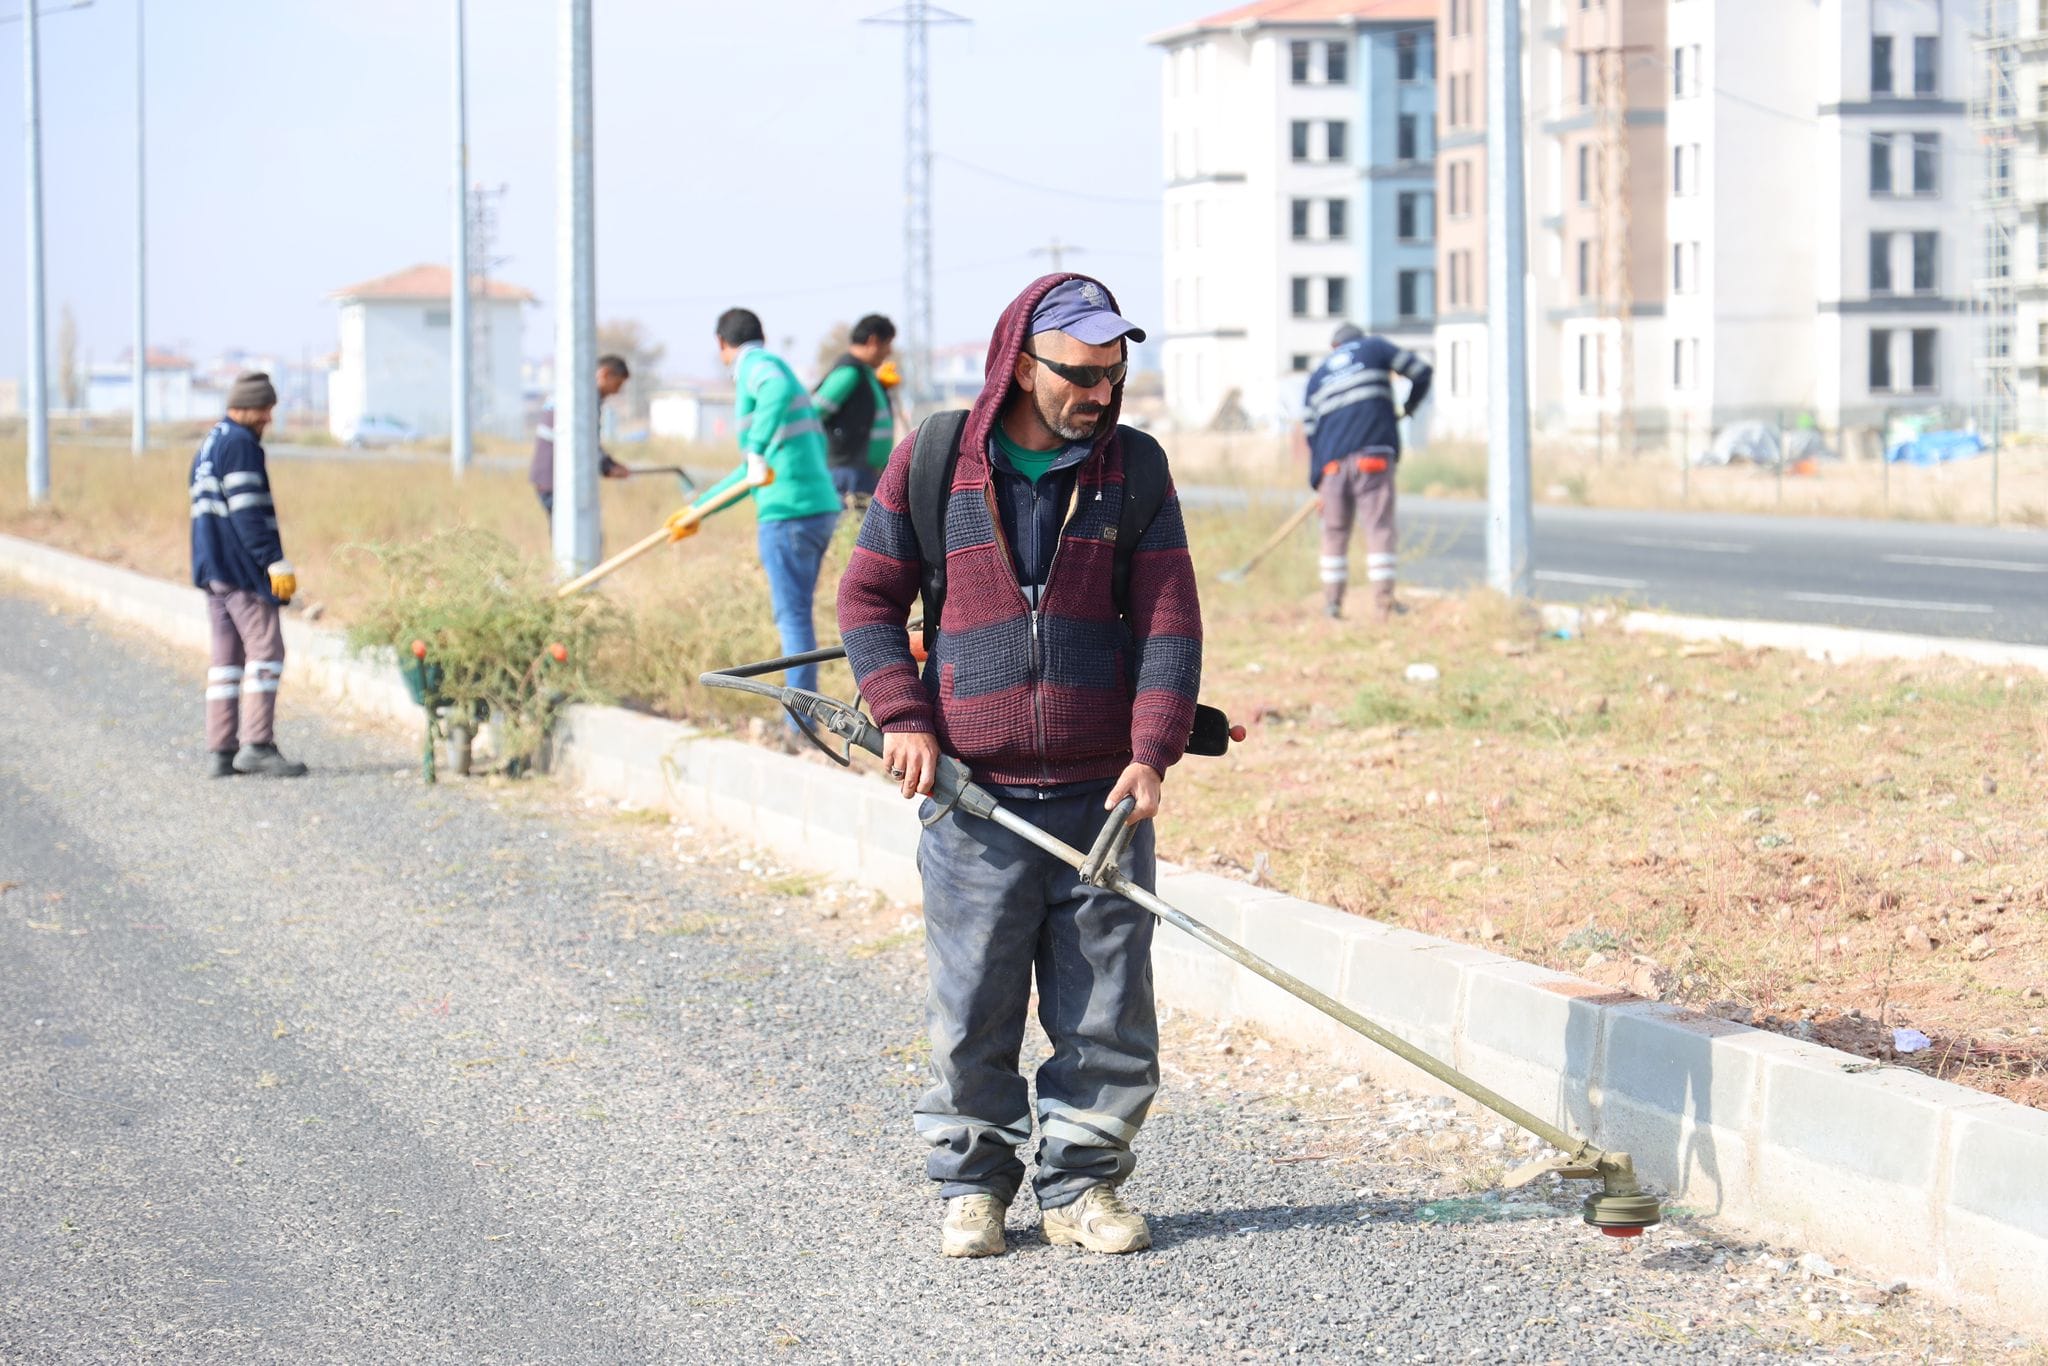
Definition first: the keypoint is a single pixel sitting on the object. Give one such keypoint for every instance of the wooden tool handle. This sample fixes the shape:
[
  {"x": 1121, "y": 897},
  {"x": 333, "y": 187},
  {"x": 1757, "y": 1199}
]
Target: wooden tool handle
[{"x": 654, "y": 538}]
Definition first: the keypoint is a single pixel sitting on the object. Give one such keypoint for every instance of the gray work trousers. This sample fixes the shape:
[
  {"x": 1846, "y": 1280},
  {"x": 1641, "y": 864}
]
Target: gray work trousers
[
  {"x": 996, "y": 911},
  {"x": 248, "y": 660}
]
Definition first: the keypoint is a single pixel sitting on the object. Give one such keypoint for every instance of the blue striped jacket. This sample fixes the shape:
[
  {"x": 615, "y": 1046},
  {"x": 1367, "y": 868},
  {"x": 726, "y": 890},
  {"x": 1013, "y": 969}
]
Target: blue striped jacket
[{"x": 234, "y": 522}]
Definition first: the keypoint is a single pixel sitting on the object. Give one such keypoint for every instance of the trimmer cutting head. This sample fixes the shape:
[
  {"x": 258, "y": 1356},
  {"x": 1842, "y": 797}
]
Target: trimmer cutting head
[{"x": 1619, "y": 1208}]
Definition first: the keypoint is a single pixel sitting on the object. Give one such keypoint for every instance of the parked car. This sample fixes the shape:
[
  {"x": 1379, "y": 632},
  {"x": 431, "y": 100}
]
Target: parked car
[{"x": 380, "y": 431}]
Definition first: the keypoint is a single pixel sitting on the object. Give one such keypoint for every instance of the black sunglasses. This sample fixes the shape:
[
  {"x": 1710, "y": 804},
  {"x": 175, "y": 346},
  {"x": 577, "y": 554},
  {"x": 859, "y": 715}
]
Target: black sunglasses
[{"x": 1084, "y": 376}]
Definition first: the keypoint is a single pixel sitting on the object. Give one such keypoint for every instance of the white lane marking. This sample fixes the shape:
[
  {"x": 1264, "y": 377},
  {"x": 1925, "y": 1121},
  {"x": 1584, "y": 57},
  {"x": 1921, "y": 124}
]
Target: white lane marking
[
  {"x": 1589, "y": 580},
  {"x": 1904, "y": 604},
  {"x": 1704, "y": 547},
  {"x": 1951, "y": 562}
]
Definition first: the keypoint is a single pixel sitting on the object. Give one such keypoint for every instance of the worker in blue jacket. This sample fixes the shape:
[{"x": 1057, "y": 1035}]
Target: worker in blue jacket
[
  {"x": 1354, "y": 443},
  {"x": 238, "y": 561}
]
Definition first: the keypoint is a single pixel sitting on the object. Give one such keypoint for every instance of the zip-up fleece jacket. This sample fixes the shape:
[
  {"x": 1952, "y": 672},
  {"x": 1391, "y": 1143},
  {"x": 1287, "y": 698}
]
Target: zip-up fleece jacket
[
  {"x": 1349, "y": 401},
  {"x": 1040, "y": 697},
  {"x": 234, "y": 523},
  {"x": 777, "y": 422}
]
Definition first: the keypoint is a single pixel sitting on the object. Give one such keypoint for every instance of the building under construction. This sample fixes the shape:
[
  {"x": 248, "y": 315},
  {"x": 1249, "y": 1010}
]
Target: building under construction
[{"x": 2009, "y": 118}]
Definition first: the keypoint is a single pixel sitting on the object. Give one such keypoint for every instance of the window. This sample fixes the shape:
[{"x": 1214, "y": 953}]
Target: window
[
  {"x": 1408, "y": 55},
  {"x": 1299, "y": 363},
  {"x": 1458, "y": 183},
  {"x": 1460, "y": 369},
  {"x": 1685, "y": 267},
  {"x": 2001, "y": 340},
  {"x": 1685, "y": 169},
  {"x": 1926, "y": 66},
  {"x": 1881, "y": 64},
  {"x": 1297, "y": 63},
  {"x": 1297, "y": 140},
  {"x": 437, "y": 317},
  {"x": 1333, "y": 140},
  {"x": 1926, "y": 251},
  {"x": 1585, "y": 79},
  {"x": 2001, "y": 172},
  {"x": 1298, "y": 292},
  {"x": 1336, "y": 290},
  {"x": 1407, "y": 216},
  {"x": 1336, "y": 64},
  {"x": 1297, "y": 220},
  {"x": 1337, "y": 216},
  {"x": 1685, "y": 364},
  {"x": 1923, "y": 359},
  {"x": 1455, "y": 286},
  {"x": 1408, "y": 293},
  {"x": 1405, "y": 138},
  {"x": 1880, "y": 360},
  {"x": 1926, "y": 163},
  {"x": 2041, "y": 340},
  {"x": 1686, "y": 75},
  {"x": 1880, "y": 263},
  {"x": 1585, "y": 173},
  {"x": 1589, "y": 365},
  {"x": 1880, "y": 163},
  {"x": 1585, "y": 268}
]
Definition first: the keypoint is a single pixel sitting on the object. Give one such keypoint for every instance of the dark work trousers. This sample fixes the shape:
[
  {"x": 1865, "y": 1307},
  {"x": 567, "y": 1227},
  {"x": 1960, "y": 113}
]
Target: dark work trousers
[
  {"x": 248, "y": 660},
  {"x": 996, "y": 911}
]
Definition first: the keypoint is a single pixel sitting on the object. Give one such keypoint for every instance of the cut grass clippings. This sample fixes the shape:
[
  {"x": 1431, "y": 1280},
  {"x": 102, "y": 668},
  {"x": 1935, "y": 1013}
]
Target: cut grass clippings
[{"x": 1831, "y": 850}]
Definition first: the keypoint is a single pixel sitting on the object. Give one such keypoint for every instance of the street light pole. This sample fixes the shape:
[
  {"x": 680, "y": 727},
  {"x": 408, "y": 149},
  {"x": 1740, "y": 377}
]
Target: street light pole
[
  {"x": 38, "y": 397},
  {"x": 139, "y": 371},
  {"x": 458, "y": 278},
  {"x": 575, "y": 515},
  {"x": 1507, "y": 380}
]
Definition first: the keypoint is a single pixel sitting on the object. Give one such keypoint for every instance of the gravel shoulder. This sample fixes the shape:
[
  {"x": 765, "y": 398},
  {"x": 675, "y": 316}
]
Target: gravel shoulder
[{"x": 353, "y": 1069}]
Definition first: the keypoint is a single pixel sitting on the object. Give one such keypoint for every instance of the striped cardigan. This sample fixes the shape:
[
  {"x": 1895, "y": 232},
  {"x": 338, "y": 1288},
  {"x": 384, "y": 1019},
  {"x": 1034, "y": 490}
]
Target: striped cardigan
[{"x": 1066, "y": 693}]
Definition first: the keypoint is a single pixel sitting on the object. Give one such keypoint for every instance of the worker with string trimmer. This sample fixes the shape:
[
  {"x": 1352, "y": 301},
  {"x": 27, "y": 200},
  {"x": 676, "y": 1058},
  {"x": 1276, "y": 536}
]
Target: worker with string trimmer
[{"x": 1064, "y": 644}]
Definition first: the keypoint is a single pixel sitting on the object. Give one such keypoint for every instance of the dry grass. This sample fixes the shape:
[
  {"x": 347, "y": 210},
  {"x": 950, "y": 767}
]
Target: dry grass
[{"x": 1744, "y": 831}]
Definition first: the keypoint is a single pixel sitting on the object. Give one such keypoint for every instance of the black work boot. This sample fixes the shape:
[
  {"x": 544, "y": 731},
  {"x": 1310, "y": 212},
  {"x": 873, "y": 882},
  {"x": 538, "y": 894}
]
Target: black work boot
[
  {"x": 1333, "y": 602},
  {"x": 263, "y": 761},
  {"x": 220, "y": 763}
]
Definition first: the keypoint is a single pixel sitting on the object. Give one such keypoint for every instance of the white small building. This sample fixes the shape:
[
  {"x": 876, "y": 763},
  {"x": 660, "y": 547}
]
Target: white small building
[
  {"x": 700, "y": 413},
  {"x": 397, "y": 349},
  {"x": 168, "y": 383}
]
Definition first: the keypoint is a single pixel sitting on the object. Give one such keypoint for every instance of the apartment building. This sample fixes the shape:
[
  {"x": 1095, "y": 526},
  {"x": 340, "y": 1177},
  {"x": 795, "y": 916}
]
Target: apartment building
[
  {"x": 1737, "y": 209},
  {"x": 2009, "y": 116},
  {"x": 1299, "y": 145}
]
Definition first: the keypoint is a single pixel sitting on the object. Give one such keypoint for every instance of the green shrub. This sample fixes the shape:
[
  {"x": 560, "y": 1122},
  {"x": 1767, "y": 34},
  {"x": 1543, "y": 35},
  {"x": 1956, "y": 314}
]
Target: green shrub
[{"x": 489, "y": 621}]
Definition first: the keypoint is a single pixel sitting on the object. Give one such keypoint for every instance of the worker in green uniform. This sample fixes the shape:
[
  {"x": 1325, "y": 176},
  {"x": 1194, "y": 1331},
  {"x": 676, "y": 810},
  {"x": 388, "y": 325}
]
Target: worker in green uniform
[{"x": 853, "y": 403}]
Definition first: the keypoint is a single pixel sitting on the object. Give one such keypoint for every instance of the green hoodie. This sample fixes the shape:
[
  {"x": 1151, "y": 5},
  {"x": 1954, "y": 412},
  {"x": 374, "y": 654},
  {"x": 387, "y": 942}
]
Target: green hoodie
[{"x": 777, "y": 422}]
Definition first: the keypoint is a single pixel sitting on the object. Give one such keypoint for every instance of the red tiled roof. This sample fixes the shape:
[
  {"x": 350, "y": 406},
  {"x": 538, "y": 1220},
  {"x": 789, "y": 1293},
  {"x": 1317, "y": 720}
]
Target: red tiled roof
[
  {"x": 1307, "y": 12},
  {"x": 424, "y": 282}
]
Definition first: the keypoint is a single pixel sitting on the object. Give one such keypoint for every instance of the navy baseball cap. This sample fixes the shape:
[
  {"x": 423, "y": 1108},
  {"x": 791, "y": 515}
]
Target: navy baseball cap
[{"x": 1081, "y": 309}]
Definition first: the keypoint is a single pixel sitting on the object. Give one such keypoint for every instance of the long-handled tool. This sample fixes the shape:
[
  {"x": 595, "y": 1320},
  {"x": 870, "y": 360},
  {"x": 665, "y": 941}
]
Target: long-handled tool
[
  {"x": 1619, "y": 1209},
  {"x": 756, "y": 478},
  {"x": 1272, "y": 543},
  {"x": 682, "y": 475}
]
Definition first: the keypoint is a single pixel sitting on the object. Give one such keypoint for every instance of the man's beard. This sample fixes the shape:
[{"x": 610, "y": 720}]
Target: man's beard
[{"x": 1079, "y": 423}]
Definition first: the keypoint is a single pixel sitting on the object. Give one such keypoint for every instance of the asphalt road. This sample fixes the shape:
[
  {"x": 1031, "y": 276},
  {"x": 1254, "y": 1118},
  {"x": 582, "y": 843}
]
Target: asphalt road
[
  {"x": 352, "y": 1069},
  {"x": 1981, "y": 582}
]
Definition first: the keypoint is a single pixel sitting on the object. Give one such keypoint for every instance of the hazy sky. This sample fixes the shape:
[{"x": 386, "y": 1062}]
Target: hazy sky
[{"x": 747, "y": 153}]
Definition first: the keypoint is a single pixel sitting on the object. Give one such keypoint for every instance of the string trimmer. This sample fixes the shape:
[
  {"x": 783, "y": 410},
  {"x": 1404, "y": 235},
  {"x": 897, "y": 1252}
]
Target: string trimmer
[
  {"x": 759, "y": 475},
  {"x": 1620, "y": 1208},
  {"x": 1272, "y": 543}
]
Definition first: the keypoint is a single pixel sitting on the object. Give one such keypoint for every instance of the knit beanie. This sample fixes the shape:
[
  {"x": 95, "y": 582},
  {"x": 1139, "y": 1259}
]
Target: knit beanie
[{"x": 252, "y": 390}]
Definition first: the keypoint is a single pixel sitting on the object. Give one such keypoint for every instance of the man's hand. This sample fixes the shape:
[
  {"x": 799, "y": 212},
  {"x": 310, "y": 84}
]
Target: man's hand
[
  {"x": 617, "y": 471},
  {"x": 913, "y": 760},
  {"x": 1141, "y": 781}
]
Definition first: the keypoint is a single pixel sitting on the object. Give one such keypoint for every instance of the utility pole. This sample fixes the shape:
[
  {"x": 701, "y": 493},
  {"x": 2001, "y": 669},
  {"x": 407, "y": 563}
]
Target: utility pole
[
  {"x": 38, "y": 396},
  {"x": 1056, "y": 251},
  {"x": 458, "y": 278},
  {"x": 1507, "y": 340},
  {"x": 575, "y": 516},
  {"x": 138, "y": 440},
  {"x": 915, "y": 17}
]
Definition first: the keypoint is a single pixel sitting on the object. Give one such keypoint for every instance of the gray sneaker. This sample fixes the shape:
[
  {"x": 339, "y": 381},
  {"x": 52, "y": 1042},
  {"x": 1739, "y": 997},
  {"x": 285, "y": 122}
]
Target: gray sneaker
[
  {"x": 973, "y": 1227},
  {"x": 1099, "y": 1221},
  {"x": 220, "y": 763}
]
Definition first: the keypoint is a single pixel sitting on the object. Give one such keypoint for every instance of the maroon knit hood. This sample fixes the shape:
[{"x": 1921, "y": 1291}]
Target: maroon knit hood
[{"x": 1012, "y": 330}]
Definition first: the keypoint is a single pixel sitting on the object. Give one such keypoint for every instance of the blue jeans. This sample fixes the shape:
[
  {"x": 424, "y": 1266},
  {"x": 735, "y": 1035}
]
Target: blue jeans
[
  {"x": 997, "y": 913},
  {"x": 792, "y": 550}
]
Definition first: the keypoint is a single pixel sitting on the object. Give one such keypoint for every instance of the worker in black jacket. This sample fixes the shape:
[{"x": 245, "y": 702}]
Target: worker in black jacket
[{"x": 238, "y": 560}]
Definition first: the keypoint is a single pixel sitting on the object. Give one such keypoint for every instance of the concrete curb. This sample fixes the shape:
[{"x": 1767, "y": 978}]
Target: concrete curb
[{"x": 1913, "y": 1177}]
